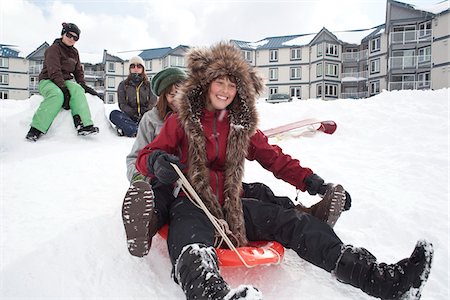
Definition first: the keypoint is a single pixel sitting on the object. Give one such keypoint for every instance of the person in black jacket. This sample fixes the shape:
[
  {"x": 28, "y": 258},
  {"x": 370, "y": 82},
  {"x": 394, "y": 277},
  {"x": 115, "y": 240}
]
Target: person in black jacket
[{"x": 135, "y": 99}]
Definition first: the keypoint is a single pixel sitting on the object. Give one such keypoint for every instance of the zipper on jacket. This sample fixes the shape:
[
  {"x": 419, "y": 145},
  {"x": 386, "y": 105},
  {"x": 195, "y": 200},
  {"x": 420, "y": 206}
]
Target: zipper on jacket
[{"x": 137, "y": 98}]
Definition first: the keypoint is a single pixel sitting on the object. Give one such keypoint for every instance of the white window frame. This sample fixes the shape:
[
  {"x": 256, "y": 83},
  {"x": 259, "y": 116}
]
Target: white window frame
[
  {"x": 273, "y": 55},
  {"x": 176, "y": 61},
  {"x": 424, "y": 54},
  {"x": 111, "y": 82},
  {"x": 273, "y": 74},
  {"x": 423, "y": 79},
  {"x": 375, "y": 44},
  {"x": 148, "y": 65},
  {"x": 319, "y": 49},
  {"x": 295, "y": 73},
  {"x": 331, "y": 69},
  {"x": 374, "y": 87},
  {"x": 319, "y": 70},
  {"x": 424, "y": 29},
  {"x": 331, "y": 90},
  {"x": 273, "y": 90},
  {"x": 248, "y": 55},
  {"x": 319, "y": 89},
  {"x": 375, "y": 66},
  {"x": 110, "y": 98},
  {"x": 296, "y": 91},
  {"x": 296, "y": 53},
  {"x": 4, "y": 62},
  {"x": 111, "y": 67},
  {"x": 4, "y": 95},
  {"x": 4, "y": 79},
  {"x": 331, "y": 50}
]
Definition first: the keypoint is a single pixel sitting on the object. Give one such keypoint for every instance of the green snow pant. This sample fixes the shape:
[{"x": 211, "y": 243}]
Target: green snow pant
[{"x": 53, "y": 101}]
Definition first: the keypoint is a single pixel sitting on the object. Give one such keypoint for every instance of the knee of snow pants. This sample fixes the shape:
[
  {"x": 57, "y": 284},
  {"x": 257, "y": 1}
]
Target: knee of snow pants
[
  {"x": 49, "y": 107},
  {"x": 124, "y": 122},
  {"x": 163, "y": 199},
  {"x": 78, "y": 102},
  {"x": 260, "y": 191},
  {"x": 188, "y": 225},
  {"x": 312, "y": 239}
]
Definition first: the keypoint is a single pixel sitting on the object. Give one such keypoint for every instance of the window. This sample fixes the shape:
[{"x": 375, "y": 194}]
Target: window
[
  {"x": 296, "y": 73},
  {"x": 424, "y": 54},
  {"x": 375, "y": 66},
  {"x": 273, "y": 74},
  {"x": 248, "y": 55},
  {"x": 148, "y": 65},
  {"x": 425, "y": 29},
  {"x": 110, "y": 98},
  {"x": 176, "y": 61},
  {"x": 296, "y": 54},
  {"x": 374, "y": 87},
  {"x": 273, "y": 90},
  {"x": 331, "y": 90},
  {"x": 111, "y": 82},
  {"x": 3, "y": 95},
  {"x": 423, "y": 80},
  {"x": 331, "y": 70},
  {"x": 4, "y": 62},
  {"x": 4, "y": 79},
  {"x": 296, "y": 91},
  {"x": 319, "y": 71},
  {"x": 332, "y": 50},
  {"x": 319, "y": 49},
  {"x": 375, "y": 45},
  {"x": 111, "y": 67},
  {"x": 273, "y": 55},
  {"x": 319, "y": 90}
]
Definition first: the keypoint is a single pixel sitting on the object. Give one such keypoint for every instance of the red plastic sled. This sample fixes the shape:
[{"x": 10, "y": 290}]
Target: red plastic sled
[{"x": 258, "y": 253}]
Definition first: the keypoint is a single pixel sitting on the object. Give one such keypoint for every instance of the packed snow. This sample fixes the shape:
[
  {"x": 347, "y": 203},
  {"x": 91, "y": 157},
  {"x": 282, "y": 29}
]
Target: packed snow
[{"x": 61, "y": 231}]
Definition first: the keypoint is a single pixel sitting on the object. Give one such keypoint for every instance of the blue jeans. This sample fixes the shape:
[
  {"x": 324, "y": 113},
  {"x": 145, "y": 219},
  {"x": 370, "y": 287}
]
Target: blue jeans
[{"x": 124, "y": 122}]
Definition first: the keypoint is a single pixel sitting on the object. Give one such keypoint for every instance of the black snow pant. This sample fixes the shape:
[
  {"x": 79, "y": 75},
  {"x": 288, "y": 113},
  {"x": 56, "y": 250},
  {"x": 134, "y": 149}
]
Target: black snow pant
[{"x": 310, "y": 238}]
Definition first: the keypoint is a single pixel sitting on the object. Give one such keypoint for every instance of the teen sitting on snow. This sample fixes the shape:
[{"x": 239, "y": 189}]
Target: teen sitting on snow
[
  {"x": 213, "y": 132},
  {"x": 165, "y": 84},
  {"x": 61, "y": 64},
  {"x": 135, "y": 99}
]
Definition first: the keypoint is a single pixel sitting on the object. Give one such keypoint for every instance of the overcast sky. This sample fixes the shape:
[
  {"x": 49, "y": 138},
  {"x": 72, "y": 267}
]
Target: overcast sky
[{"x": 118, "y": 25}]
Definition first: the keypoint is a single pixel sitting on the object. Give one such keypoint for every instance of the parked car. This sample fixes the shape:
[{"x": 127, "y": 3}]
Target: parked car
[{"x": 275, "y": 98}]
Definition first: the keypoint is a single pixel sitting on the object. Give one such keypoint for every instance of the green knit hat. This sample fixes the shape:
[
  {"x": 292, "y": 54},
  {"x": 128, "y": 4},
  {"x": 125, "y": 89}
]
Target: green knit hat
[{"x": 165, "y": 78}]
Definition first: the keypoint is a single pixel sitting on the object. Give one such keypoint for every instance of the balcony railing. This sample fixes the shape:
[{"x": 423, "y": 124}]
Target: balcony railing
[
  {"x": 408, "y": 62},
  {"x": 409, "y": 85},
  {"x": 354, "y": 95},
  {"x": 33, "y": 87},
  {"x": 35, "y": 69},
  {"x": 355, "y": 56},
  {"x": 354, "y": 76},
  {"x": 410, "y": 36},
  {"x": 98, "y": 74}
]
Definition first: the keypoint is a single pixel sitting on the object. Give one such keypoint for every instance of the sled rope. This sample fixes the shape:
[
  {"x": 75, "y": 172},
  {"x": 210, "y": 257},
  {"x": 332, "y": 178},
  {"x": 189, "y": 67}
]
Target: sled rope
[{"x": 189, "y": 190}]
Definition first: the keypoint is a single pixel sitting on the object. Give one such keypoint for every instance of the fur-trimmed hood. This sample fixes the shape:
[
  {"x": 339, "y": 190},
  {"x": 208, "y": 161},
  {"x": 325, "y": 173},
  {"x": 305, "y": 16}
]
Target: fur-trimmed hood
[{"x": 203, "y": 66}]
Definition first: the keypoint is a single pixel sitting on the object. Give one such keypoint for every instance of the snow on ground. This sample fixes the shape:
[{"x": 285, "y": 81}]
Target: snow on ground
[{"x": 61, "y": 233}]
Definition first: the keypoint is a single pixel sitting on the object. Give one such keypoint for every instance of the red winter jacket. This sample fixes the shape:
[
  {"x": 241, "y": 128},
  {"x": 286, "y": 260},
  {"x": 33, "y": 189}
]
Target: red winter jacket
[{"x": 172, "y": 139}]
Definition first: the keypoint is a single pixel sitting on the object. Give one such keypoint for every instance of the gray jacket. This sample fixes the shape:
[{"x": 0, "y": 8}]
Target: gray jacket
[{"x": 149, "y": 128}]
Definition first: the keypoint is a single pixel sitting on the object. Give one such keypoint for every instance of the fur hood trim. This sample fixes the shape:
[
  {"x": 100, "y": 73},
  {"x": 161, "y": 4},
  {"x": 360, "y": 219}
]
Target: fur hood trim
[{"x": 204, "y": 65}]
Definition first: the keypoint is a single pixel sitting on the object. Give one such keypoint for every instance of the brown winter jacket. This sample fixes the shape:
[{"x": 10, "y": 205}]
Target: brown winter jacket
[
  {"x": 62, "y": 63},
  {"x": 135, "y": 99}
]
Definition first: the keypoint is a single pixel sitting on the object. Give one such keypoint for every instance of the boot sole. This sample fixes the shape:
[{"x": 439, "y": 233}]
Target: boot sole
[
  {"x": 137, "y": 212},
  {"x": 337, "y": 203}
]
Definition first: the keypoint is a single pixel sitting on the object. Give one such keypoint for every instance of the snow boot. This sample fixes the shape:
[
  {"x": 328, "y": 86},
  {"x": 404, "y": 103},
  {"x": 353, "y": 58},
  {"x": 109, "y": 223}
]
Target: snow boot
[
  {"x": 197, "y": 271},
  {"x": 329, "y": 209},
  {"x": 83, "y": 130},
  {"x": 402, "y": 280},
  {"x": 139, "y": 217},
  {"x": 33, "y": 134}
]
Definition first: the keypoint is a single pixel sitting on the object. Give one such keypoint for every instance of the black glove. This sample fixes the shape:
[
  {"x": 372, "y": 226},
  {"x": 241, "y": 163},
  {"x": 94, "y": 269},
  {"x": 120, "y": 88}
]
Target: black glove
[
  {"x": 348, "y": 201},
  {"x": 159, "y": 164},
  {"x": 88, "y": 89},
  {"x": 66, "y": 102},
  {"x": 315, "y": 185}
]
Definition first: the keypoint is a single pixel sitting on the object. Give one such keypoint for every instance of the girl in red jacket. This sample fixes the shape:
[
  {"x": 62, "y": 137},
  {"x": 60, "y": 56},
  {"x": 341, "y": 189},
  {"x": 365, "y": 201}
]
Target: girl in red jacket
[{"x": 210, "y": 137}]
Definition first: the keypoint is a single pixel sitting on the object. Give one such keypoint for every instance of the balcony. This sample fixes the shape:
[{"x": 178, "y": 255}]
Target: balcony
[
  {"x": 35, "y": 69},
  {"x": 355, "y": 56},
  {"x": 354, "y": 76},
  {"x": 410, "y": 62},
  {"x": 410, "y": 36},
  {"x": 410, "y": 85},
  {"x": 354, "y": 95}
]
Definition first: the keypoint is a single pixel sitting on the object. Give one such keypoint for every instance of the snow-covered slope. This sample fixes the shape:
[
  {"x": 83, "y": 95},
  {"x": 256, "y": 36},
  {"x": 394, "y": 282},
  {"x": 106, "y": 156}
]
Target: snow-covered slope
[{"x": 61, "y": 233}]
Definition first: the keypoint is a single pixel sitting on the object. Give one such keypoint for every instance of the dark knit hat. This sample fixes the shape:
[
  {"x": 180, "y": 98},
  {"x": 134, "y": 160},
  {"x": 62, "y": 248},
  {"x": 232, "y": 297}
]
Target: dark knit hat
[
  {"x": 70, "y": 27},
  {"x": 165, "y": 78}
]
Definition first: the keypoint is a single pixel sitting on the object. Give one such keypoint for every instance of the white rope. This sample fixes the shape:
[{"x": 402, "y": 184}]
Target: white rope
[{"x": 189, "y": 190}]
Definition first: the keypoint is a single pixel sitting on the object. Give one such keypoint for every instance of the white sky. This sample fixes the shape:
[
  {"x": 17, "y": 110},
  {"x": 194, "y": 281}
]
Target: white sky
[{"x": 119, "y": 25}]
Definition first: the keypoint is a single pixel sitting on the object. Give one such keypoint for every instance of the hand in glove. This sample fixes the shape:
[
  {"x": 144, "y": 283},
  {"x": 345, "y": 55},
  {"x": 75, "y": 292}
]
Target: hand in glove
[
  {"x": 88, "y": 89},
  {"x": 159, "y": 164},
  {"x": 315, "y": 185},
  {"x": 66, "y": 103}
]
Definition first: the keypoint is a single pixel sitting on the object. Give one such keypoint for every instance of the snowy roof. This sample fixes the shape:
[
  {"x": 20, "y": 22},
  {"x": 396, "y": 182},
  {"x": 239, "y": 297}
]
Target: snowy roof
[
  {"x": 300, "y": 40},
  {"x": 6, "y": 51},
  {"x": 435, "y": 8},
  {"x": 154, "y": 53},
  {"x": 243, "y": 44},
  {"x": 283, "y": 41}
]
